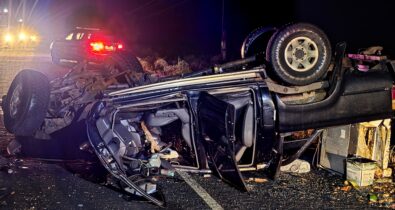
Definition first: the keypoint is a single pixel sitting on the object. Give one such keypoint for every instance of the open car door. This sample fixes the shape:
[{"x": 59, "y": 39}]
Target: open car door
[{"x": 217, "y": 128}]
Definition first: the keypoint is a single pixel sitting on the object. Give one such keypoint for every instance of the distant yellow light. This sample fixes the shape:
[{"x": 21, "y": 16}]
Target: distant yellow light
[
  {"x": 22, "y": 36},
  {"x": 33, "y": 38},
  {"x": 8, "y": 38}
]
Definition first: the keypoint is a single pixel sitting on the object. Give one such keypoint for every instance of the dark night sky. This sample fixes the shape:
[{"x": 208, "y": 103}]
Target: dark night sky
[{"x": 194, "y": 26}]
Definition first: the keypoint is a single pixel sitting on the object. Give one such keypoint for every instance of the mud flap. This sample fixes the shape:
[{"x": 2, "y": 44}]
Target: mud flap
[{"x": 217, "y": 129}]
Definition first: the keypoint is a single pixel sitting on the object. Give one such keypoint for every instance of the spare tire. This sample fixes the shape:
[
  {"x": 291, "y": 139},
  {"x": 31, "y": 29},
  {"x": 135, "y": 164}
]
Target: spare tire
[
  {"x": 253, "y": 37},
  {"x": 300, "y": 53},
  {"x": 26, "y": 103}
]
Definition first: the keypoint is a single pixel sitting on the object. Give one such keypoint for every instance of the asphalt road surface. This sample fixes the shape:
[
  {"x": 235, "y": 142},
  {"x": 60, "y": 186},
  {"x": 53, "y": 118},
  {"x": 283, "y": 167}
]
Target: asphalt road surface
[
  {"x": 12, "y": 61},
  {"x": 55, "y": 174}
]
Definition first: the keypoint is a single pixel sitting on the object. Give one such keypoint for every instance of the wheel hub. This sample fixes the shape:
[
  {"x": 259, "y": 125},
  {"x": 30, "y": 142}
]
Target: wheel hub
[{"x": 301, "y": 54}]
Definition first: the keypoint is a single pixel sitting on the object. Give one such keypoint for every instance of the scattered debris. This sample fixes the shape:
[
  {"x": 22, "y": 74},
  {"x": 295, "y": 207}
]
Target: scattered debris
[
  {"x": 373, "y": 141},
  {"x": 14, "y": 147},
  {"x": 351, "y": 183},
  {"x": 383, "y": 180},
  {"x": 369, "y": 140},
  {"x": 85, "y": 146},
  {"x": 346, "y": 188},
  {"x": 10, "y": 171},
  {"x": 162, "y": 67},
  {"x": 373, "y": 50},
  {"x": 369, "y": 171},
  {"x": 361, "y": 170},
  {"x": 297, "y": 166},
  {"x": 381, "y": 193},
  {"x": 181, "y": 67},
  {"x": 385, "y": 193},
  {"x": 150, "y": 138},
  {"x": 302, "y": 134},
  {"x": 335, "y": 143},
  {"x": 257, "y": 180},
  {"x": 373, "y": 198},
  {"x": 382, "y": 173}
]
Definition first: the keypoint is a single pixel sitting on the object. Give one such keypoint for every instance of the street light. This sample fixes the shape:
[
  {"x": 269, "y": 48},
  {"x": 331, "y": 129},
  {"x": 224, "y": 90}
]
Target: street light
[
  {"x": 8, "y": 38},
  {"x": 33, "y": 38},
  {"x": 22, "y": 36},
  {"x": 5, "y": 10},
  {"x": 20, "y": 20}
]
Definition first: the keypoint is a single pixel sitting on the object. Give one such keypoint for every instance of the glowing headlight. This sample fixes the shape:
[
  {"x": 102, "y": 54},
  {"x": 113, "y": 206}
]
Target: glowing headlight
[
  {"x": 22, "y": 36},
  {"x": 33, "y": 38},
  {"x": 8, "y": 38}
]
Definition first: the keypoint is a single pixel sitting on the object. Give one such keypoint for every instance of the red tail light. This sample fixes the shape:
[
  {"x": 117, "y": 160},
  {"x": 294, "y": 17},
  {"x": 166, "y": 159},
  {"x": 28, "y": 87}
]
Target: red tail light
[
  {"x": 97, "y": 46},
  {"x": 104, "y": 47}
]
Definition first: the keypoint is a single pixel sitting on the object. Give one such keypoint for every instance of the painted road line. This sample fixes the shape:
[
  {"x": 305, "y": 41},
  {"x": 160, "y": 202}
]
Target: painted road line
[{"x": 200, "y": 191}]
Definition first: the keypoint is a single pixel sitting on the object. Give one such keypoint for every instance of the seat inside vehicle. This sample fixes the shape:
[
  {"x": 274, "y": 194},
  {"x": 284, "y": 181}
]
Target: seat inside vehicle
[
  {"x": 245, "y": 133},
  {"x": 234, "y": 117}
]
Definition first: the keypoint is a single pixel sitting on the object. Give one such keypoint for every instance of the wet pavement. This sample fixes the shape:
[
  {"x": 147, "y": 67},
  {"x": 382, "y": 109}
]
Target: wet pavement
[{"x": 55, "y": 174}]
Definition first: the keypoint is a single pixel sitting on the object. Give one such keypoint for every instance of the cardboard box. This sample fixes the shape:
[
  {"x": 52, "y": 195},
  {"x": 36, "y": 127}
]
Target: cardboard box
[
  {"x": 373, "y": 141},
  {"x": 335, "y": 147},
  {"x": 360, "y": 170},
  {"x": 370, "y": 140}
]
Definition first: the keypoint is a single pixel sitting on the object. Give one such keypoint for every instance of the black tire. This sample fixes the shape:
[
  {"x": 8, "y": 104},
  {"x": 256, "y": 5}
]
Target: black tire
[
  {"x": 300, "y": 53},
  {"x": 125, "y": 61},
  {"x": 269, "y": 45},
  {"x": 26, "y": 103},
  {"x": 253, "y": 37}
]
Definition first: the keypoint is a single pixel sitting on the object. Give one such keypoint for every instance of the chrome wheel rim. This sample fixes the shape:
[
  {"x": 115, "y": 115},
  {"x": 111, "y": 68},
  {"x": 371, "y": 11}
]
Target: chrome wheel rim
[
  {"x": 301, "y": 54},
  {"x": 15, "y": 100}
]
